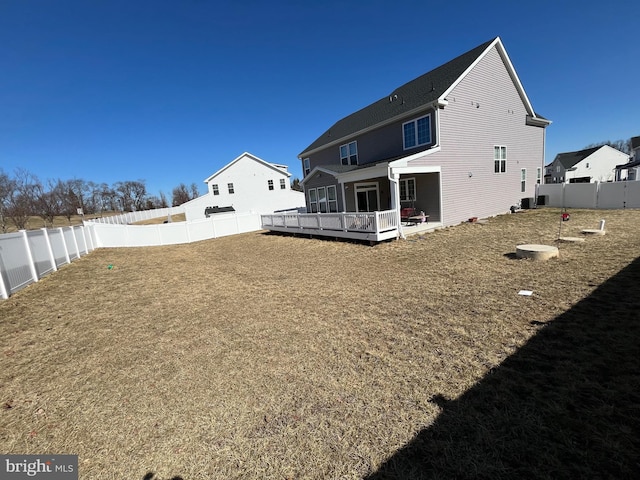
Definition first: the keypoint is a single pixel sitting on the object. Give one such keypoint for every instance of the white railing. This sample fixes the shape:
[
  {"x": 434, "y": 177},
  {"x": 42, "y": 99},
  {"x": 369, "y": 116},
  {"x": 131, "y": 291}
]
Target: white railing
[
  {"x": 27, "y": 256},
  {"x": 365, "y": 225}
]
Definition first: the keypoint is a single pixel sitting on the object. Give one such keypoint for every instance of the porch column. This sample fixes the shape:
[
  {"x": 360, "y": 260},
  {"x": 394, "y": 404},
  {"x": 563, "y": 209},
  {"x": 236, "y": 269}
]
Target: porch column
[{"x": 395, "y": 198}]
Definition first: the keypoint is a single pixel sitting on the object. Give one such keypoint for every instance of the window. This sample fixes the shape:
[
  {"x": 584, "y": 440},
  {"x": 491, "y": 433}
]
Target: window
[
  {"x": 558, "y": 168},
  {"x": 322, "y": 199},
  {"x": 283, "y": 184},
  {"x": 214, "y": 189},
  {"x": 313, "y": 200},
  {"x": 230, "y": 188},
  {"x": 499, "y": 159},
  {"x": 523, "y": 180},
  {"x": 332, "y": 198},
  {"x": 407, "y": 189},
  {"x": 349, "y": 154},
  {"x": 416, "y": 132},
  {"x": 306, "y": 166},
  {"x": 270, "y": 182},
  {"x": 538, "y": 175}
]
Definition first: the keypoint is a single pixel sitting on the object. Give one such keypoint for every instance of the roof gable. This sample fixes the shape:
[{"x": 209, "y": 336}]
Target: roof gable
[
  {"x": 430, "y": 88},
  {"x": 277, "y": 167}
]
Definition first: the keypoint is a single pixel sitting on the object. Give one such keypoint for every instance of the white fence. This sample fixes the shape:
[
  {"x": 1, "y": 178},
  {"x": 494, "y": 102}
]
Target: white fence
[
  {"x": 220, "y": 225},
  {"x": 132, "y": 217},
  {"x": 27, "y": 256},
  {"x": 610, "y": 195}
]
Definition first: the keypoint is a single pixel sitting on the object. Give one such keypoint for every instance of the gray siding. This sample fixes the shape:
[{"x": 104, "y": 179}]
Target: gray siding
[
  {"x": 484, "y": 110},
  {"x": 380, "y": 144},
  {"x": 322, "y": 179}
]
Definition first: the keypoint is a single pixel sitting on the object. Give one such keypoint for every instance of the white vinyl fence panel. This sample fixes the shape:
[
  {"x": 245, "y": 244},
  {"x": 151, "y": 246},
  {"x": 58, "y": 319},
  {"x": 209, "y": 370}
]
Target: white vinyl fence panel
[
  {"x": 27, "y": 256},
  {"x": 598, "y": 195}
]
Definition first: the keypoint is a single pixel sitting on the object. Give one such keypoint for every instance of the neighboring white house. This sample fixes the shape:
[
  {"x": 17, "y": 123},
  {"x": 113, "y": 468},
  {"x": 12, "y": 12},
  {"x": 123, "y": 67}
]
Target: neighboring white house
[
  {"x": 596, "y": 164},
  {"x": 247, "y": 184}
]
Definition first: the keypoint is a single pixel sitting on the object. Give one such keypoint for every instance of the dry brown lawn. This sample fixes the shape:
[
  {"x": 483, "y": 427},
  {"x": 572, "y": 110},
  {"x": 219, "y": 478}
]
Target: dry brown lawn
[{"x": 269, "y": 356}]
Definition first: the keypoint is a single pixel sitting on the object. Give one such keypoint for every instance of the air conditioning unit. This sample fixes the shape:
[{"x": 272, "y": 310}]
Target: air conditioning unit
[
  {"x": 543, "y": 200},
  {"x": 527, "y": 203}
]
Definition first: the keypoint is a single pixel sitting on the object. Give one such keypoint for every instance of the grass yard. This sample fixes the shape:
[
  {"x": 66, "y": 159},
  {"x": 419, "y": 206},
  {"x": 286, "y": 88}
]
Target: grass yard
[{"x": 269, "y": 356}]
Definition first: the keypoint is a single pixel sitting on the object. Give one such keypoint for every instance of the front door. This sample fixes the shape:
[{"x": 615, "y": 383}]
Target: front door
[{"x": 366, "y": 197}]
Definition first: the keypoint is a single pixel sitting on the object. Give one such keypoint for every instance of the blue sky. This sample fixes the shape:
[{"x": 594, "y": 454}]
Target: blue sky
[{"x": 169, "y": 91}]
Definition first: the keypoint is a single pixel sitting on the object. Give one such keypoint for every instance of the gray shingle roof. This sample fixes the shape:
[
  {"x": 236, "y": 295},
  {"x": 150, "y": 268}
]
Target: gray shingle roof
[
  {"x": 416, "y": 93},
  {"x": 569, "y": 159},
  {"x": 635, "y": 142}
]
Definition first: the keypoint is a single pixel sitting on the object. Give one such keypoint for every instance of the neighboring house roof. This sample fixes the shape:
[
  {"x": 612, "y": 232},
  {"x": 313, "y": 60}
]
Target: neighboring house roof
[
  {"x": 277, "y": 167},
  {"x": 627, "y": 165},
  {"x": 569, "y": 159},
  {"x": 428, "y": 89},
  {"x": 212, "y": 210},
  {"x": 635, "y": 142}
]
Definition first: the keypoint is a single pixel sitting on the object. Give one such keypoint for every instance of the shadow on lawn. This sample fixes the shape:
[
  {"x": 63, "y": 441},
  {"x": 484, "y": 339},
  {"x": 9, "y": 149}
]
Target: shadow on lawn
[{"x": 565, "y": 405}]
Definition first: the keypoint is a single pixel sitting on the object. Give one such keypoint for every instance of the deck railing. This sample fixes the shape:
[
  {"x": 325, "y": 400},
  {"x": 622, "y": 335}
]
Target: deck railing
[{"x": 364, "y": 225}]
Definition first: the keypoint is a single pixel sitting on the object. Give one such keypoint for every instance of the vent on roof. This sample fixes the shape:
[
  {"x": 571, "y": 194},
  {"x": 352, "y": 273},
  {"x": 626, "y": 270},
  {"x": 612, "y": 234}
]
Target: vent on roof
[{"x": 393, "y": 98}]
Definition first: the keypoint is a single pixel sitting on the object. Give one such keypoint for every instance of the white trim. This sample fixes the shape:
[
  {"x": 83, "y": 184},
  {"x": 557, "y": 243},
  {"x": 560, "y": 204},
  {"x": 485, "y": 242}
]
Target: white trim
[
  {"x": 274, "y": 166},
  {"x": 415, "y": 122}
]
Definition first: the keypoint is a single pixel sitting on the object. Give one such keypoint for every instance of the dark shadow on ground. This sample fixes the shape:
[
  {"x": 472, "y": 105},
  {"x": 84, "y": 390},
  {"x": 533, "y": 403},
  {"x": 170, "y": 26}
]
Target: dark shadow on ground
[{"x": 564, "y": 406}]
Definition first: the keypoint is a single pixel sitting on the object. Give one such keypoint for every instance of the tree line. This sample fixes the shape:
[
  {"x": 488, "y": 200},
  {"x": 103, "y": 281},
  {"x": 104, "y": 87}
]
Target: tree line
[{"x": 24, "y": 195}]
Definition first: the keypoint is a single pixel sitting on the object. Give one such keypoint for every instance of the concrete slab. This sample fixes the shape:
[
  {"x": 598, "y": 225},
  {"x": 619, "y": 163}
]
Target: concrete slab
[{"x": 537, "y": 252}]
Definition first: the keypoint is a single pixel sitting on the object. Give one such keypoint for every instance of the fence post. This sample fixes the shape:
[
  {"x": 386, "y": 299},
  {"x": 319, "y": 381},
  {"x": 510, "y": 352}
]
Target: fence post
[
  {"x": 66, "y": 248},
  {"x": 4, "y": 291},
  {"x": 32, "y": 265},
  {"x": 52, "y": 258}
]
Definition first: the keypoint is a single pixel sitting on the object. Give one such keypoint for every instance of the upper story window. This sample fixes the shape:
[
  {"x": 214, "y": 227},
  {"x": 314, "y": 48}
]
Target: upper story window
[
  {"x": 270, "y": 182},
  {"x": 214, "y": 189},
  {"x": 349, "y": 153},
  {"x": 230, "y": 188},
  {"x": 499, "y": 159},
  {"x": 306, "y": 166},
  {"x": 416, "y": 132},
  {"x": 283, "y": 184},
  {"x": 557, "y": 168}
]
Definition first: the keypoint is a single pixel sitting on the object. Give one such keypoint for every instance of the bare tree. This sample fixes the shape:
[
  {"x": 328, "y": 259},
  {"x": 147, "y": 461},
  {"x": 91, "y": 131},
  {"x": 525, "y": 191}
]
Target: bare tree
[
  {"x": 67, "y": 198},
  {"x": 132, "y": 195},
  {"x": 295, "y": 185},
  {"x": 46, "y": 203},
  {"x": 20, "y": 200},
  {"x": 180, "y": 195},
  {"x": 621, "y": 145},
  {"x": 163, "y": 200},
  {"x": 195, "y": 193},
  {"x": 6, "y": 187}
]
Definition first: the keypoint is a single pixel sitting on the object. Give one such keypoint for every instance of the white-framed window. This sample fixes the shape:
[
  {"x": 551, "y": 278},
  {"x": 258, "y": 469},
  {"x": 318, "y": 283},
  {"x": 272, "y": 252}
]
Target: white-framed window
[
  {"x": 214, "y": 189},
  {"x": 283, "y": 184},
  {"x": 323, "y": 199},
  {"x": 538, "y": 175},
  {"x": 270, "y": 183},
  {"x": 499, "y": 159},
  {"x": 416, "y": 132},
  {"x": 313, "y": 200},
  {"x": 349, "y": 153},
  {"x": 523, "y": 180},
  {"x": 332, "y": 198},
  {"x": 407, "y": 189},
  {"x": 230, "y": 188},
  {"x": 557, "y": 168},
  {"x": 307, "y": 166}
]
